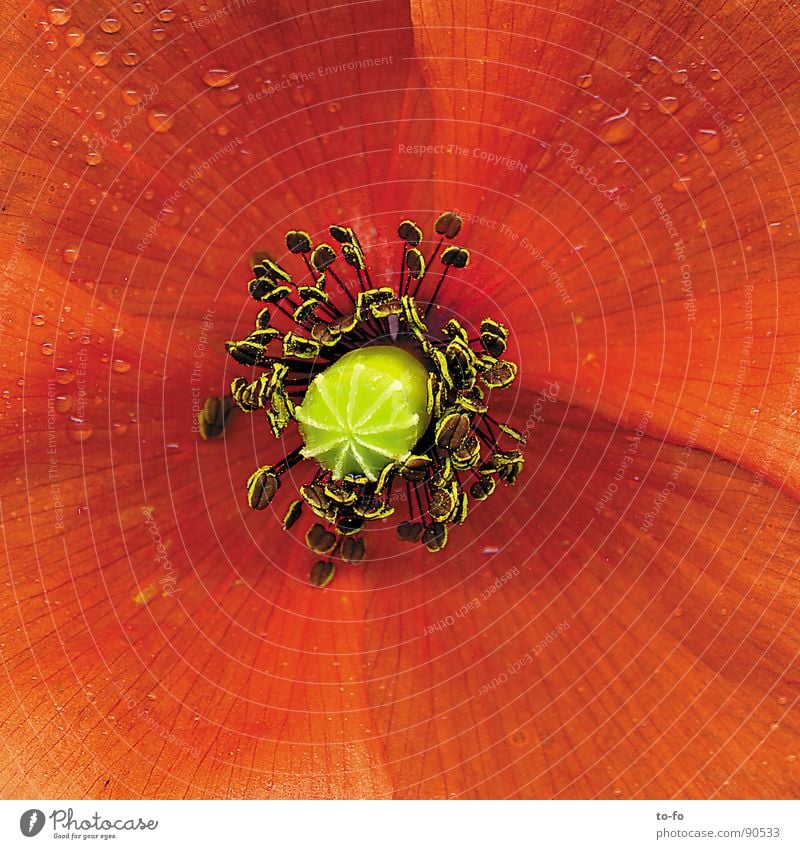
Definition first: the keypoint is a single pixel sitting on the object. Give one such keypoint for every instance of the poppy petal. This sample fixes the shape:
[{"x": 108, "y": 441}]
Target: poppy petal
[{"x": 647, "y": 234}]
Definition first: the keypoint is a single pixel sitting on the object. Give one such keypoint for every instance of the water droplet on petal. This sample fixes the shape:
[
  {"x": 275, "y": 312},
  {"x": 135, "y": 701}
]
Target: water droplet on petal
[
  {"x": 137, "y": 8},
  {"x": 160, "y": 121},
  {"x": 47, "y": 349},
  {"x": 58, "y": 15},
  {"x": 64, "y": 376},
  {"x": 680, "y": 77},
  {"x": 131, "y": 58},
  {"x": 618, "y": 128},
  {"x": 166, "y": 15},
  {"x": 93, "y": 158},
  {"x": 121, "y": 366},
  {"x": 38, "y": 320},
  {"x": 119, "y": 428},
  {"x": 682, "y": 184},
  {"x": 159, "y": 34},
  {"x": 73, "y": 37},
  {"x": 709, "y": 141},
  {"x": 130, "y": 96},
  {"x": 70, "y": 254},
  {"x": 302, "y": 96},
  {"x": 715, "y": 73},
  {"x": 111, "y": 25},
  {"x": 333, "y": 106},
  {"x": 218, "y": 77},
  {"x": 230, "y": 96},
  {"x": 584, "y": 81},
  {"x": 668, "y": 105},
  {"x": 63, "y": 403},
  {"x": 78, "y": 430},
  {"x": 100, "y": 57},
  {"x": 655, "y": 65}
]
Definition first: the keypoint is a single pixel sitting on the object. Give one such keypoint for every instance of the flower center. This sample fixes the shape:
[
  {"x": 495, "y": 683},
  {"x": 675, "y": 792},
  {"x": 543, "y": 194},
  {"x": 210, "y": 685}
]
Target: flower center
[
  {"x": 388, "y": 410},
  {"x": 365, "y": 411}
]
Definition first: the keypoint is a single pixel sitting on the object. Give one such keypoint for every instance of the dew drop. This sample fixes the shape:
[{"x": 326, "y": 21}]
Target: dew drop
[
  {"x": 618, "y": 128},
  {"x": 165, "y": 16},
  {"x": 680, "y": 77},
  {"x": 218, "y": 77},
  {"x": 38, "y": 320},
  {"x": 121, "y": 366},
  {"x": 146, "y": 595},
  {"x": 302, "y": 96},
  {"x": 715, "y": 73},
  {"x": 74, "y": 37},
  {"x": 64, "y": 376},
  {"x": 137, "y": 8},
  {"x": 130, "y": 96},
  {"x": 230, "y": 96},
  {"x": 58, "y": 15},
  {"x": 709, "y": 141},
  {"x": 131, "y": 58},
  {"x": 70, "y": 254},
  {"x": 93, "y": 157},
  {"x": 655, "y": 65},
  {"x": 47, "y": 349},
  {"x": 78, "y": 430},
  {"x": 100, "y": 57},
  {"x": 159, "y": 34},
  {"x": 63, "y": 403},
  {"x": 668, "y": 105},
  {"x": 584, "y": 81},
  {"x": 160, "y": 121},
  {"x": 677, "y": 613},
  {"x": 681, "y": 185},
  {"x": 111, "y": 25},
  {"x": 333, "y": 106},
  {"x": 119, "y": 428},
  {"x": 791, "y": 759}
]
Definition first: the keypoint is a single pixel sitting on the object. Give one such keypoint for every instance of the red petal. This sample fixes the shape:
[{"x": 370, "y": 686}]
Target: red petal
[{"x": 685, "y": 124}]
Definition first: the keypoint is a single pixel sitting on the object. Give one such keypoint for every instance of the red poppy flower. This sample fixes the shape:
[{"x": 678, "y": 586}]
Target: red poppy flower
[{"x": 624, "y": 621}]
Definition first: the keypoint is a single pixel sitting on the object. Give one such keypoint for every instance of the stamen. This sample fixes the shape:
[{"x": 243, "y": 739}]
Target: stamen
[{"x": 371, "y": 415}]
